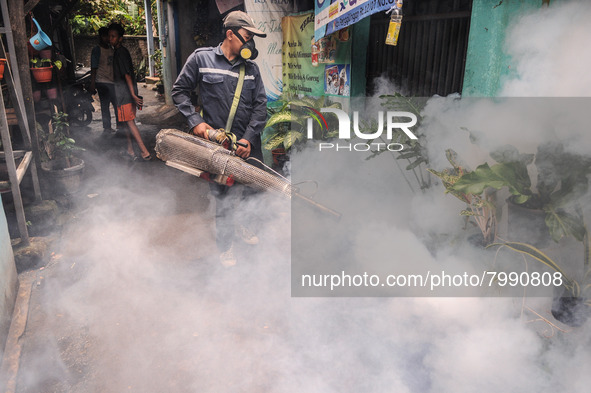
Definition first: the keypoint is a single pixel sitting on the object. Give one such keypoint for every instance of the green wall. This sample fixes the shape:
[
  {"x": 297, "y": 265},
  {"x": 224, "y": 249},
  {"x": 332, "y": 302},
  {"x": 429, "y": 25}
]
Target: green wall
[
  {"x": 359, "y": 57},
  {"x": 486, "y": 61}
]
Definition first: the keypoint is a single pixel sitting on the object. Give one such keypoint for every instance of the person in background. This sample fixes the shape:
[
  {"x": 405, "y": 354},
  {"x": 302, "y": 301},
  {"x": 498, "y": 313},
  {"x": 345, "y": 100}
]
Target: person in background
[
  {"x": 126, "y": 92},
  {"x": 216, "y": 72},
  {"x": 101, "y": 77}
]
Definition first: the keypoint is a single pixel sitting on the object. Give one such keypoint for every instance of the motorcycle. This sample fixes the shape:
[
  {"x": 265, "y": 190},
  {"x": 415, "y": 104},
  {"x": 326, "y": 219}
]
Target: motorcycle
[{"x": 78, "y": 99}]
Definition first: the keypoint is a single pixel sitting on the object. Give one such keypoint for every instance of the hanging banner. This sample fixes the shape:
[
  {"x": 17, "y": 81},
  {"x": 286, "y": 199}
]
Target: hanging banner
[
  {"x": 299, "y": 75},
  {"x": 226, "y": 5},
  {"x": 267, "y": 16},
  {"x": 315, "y": 68},
  {"x": 333, "y": 15}
]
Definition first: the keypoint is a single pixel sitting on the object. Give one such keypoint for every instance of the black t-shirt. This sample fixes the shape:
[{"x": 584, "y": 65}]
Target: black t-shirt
[{"x": 123, "y": 65}]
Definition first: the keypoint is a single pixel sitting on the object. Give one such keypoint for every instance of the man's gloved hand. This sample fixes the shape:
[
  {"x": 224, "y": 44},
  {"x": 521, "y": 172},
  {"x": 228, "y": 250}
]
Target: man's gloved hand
[
  {"x": 243, "y": 152},
  {"x": 222, "y": 139}
]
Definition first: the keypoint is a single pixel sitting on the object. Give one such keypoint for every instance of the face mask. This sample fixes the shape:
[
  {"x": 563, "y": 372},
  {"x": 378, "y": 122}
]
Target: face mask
[{"x": 247, "y": 50}]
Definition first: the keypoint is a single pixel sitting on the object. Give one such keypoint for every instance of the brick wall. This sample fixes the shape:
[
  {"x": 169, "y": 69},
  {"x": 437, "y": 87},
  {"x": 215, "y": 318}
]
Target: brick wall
[{"x": 137, "y": 46}]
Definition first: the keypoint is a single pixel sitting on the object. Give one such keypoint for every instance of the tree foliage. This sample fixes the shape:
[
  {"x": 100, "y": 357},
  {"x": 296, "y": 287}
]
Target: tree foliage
[{"x": 89, "y": 16}]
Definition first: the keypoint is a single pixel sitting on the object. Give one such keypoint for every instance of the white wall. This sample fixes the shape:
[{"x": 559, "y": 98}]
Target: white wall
[{"x": 8, "y": 279}]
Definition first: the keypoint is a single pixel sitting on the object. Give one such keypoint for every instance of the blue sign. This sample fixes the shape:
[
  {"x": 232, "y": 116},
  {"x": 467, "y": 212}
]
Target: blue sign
[{"x": 334, "y": 15}]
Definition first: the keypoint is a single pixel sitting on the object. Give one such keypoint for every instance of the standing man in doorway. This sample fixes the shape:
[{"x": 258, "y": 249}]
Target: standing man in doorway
[{"x": 217, "y": 72}]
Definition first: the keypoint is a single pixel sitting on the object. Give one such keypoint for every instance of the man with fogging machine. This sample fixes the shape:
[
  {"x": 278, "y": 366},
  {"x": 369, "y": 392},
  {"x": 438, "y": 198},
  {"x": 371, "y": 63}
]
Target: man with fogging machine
[{"x": 233, "y": 98}]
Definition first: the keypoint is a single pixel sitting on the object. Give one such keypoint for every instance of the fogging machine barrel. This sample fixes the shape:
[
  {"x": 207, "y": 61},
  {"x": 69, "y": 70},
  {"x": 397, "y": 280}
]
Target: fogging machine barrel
[{"x": 194, "y": 155}]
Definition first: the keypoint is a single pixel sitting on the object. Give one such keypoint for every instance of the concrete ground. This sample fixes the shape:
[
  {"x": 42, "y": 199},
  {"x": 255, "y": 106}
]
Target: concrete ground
[{"x": 132, "y": 296}]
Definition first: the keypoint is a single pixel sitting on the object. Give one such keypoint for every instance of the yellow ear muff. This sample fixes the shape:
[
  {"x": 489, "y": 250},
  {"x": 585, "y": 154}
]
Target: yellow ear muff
[{"x": 245, "y": 53}]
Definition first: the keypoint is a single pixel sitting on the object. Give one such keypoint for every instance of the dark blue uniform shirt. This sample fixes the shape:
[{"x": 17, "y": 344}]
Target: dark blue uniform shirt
[{"x": 216, "y": 77}]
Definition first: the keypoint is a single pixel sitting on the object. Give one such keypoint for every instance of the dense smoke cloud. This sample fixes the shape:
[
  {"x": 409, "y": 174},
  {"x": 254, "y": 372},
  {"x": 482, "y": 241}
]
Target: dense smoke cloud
[
  {"x": 550, "y": 52},
  {"x": 139, "y": 282}
]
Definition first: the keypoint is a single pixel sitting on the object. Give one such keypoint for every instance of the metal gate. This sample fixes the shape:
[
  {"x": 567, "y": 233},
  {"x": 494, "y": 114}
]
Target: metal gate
[{"x": 430, "y": 56}]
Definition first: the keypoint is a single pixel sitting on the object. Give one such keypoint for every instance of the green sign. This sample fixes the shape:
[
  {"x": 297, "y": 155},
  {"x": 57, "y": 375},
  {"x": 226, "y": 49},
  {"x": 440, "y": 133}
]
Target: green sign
[{"x": 314, "y": 68}]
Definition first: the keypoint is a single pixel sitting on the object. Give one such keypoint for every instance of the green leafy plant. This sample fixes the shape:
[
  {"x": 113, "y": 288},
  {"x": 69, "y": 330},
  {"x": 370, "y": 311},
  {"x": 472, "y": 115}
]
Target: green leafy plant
[
  {"x": 459, "y": 181},
  {"x": 87, "y": 24},
  {"x": 89, "y": 16},
  {"x": 141, "y": 70},
  {"x": 288, "y": 121},
  {"x": 57, "y": 144},
  {"x": 561, "y": 181},
  {"x": 157, "y": 58},
  {"x": 414, "y": 153},
  {"x": 574, "y": 305},
  {"x": 41, "y": 63}
]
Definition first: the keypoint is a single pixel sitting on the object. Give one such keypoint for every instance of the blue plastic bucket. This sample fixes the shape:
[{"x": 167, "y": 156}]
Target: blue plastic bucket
[{"x": 40, "y": 40}]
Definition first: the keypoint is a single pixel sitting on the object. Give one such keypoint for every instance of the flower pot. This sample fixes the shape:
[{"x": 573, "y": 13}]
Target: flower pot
[
  {"x": 279, "y": 156},
  {"x": 527, "y": 225},
  {"x": 2, "y": 62},
  {"x": 63, "y": 181},
  {"x": 571, "y": 311},
  {"x": 43, "y": 74},
  {"x": 45, "y": 54},
  {"x": 52, "y": 93},
  {"x": 477, "y": 240},
  {"x": 37, "y": 95}
]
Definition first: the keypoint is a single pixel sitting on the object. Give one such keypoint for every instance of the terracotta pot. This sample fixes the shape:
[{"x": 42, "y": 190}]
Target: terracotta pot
[
  {"x": 278, "y": 156},
  {"x": 45, "y": 54},
  {"x": 43, "y": 74},
  {"x": 2, "y": 62},
  {"x": 52, "y": 93}
]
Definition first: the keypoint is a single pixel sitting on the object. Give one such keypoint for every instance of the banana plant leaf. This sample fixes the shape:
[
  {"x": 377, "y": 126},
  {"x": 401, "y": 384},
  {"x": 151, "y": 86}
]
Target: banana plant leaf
[{"x": 538, "y": 255}]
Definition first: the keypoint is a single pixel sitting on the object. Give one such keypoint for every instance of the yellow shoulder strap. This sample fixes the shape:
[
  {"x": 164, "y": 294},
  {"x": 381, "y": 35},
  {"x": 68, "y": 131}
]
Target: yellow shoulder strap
[{"x": 236, "y": 98}]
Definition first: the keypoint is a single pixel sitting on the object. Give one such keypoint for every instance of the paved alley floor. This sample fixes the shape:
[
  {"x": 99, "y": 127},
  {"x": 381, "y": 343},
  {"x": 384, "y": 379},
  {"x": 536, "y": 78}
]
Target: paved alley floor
[{"x": 133, "y": 297}]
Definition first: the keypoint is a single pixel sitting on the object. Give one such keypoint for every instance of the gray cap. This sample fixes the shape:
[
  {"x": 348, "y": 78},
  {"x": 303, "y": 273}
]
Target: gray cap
[{"x": 241, "y": 19}]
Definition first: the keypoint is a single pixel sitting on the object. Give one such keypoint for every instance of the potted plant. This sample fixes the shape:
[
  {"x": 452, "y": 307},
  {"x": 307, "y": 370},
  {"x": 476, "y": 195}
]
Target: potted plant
[
  {"x": 157, "y": 58},
  {"x": 551, "y": 207},
  {"x": 287, "y": 124},
  {"x": 561, "y": 180},
  {"x": 51, "y": 93},
  {"x": 61, "y": 167},
  {"x": 572, "y": 301},
  {"x": 468, "y": 187},
  {"x": 42, "y": 69},
  {"x": 45, "y": 54}
]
